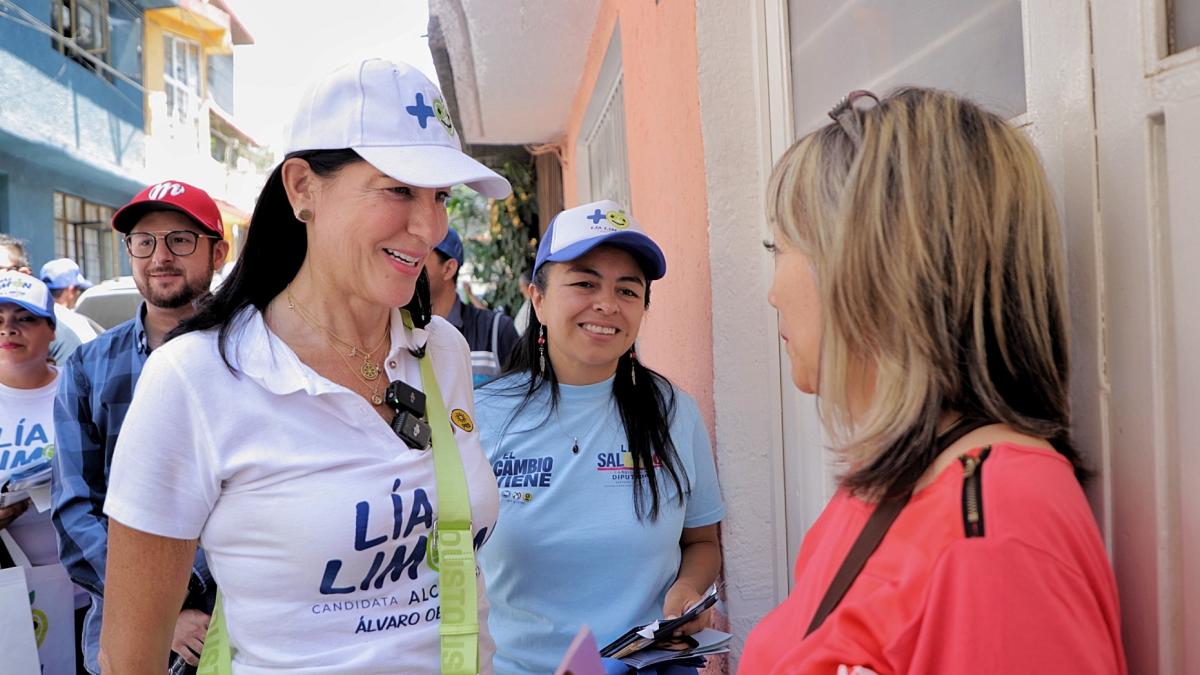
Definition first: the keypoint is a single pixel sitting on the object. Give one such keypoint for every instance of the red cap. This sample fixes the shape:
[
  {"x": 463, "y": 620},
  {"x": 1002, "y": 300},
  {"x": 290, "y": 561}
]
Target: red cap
[{"x": 171, "y": 195}]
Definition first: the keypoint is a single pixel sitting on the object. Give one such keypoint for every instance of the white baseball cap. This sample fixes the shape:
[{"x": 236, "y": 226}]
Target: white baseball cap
[
  {"x": 576, "y": 231},
  {"x": 28, "y": 293},
  {"x": 396, "y": 119}
]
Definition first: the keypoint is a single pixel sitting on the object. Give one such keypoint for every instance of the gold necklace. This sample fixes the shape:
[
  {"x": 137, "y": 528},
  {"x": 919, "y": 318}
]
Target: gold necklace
[
  {"x": 368, "y": 370},
  {"x": 372, "y": 386}
]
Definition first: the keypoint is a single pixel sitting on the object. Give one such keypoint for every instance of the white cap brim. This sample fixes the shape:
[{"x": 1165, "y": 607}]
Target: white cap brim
[{"x": 433, "y": 166}]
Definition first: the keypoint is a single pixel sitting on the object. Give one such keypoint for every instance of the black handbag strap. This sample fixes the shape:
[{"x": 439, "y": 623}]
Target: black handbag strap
[{"x": 877, "y": 526}]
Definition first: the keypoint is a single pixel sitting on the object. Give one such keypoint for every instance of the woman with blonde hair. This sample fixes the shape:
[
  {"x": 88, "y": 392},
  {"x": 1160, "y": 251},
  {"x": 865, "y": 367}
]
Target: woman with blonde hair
[{"x": 921, "y": 293}]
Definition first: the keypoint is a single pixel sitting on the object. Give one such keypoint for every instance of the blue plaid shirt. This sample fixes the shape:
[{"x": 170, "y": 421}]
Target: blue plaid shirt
[{"x": 94, "y": 392}]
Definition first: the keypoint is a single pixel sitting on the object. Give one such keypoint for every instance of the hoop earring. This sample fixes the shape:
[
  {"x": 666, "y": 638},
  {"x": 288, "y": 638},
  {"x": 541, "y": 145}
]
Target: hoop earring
[
  {"x": 633, "y": 365},
  {"x": 542, "y": 351},
  {"x": 304, "y": 215}
]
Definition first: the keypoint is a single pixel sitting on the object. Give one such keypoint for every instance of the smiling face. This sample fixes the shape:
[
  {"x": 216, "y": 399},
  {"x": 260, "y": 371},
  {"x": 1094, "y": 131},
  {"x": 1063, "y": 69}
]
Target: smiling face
[
  {"x": 592, "y": 308},
  {"x": 167, "y": 280},
  {"x": 371, "y": 234},
  {"x": 24, "y": 337},
  {"x": 795, "y": 295}
]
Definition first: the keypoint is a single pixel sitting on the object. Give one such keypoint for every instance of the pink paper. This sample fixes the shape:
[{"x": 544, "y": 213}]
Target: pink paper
[{"x": 582, "y": 657}]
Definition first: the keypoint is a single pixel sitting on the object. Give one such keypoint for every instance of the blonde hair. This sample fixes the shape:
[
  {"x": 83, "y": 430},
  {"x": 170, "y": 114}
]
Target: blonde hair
[{"x": 938, "y": 255}]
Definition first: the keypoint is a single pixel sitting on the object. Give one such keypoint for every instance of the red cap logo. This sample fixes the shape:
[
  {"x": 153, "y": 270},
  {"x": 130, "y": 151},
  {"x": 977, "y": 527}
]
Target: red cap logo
[{"x": 163, "y": 190}]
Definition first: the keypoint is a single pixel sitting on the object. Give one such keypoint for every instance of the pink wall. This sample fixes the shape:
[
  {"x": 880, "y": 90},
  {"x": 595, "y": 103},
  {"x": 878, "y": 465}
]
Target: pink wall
[{"x": 666, "y": 175}]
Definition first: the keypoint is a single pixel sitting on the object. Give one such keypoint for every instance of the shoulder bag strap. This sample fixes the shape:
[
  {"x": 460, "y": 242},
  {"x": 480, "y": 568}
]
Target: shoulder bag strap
[
  {"x": 873, "y": 532},
  {"x": 453, "y": 551}
]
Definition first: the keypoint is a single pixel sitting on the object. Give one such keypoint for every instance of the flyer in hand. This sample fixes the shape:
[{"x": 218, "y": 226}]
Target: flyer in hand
[
  {"x": 16, "y": 487},
  {"x": 656, "y": 642}
]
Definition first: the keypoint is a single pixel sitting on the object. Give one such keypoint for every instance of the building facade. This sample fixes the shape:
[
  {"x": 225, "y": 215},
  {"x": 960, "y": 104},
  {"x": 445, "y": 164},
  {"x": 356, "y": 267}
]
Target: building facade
[{"x": 86, "y": 90}]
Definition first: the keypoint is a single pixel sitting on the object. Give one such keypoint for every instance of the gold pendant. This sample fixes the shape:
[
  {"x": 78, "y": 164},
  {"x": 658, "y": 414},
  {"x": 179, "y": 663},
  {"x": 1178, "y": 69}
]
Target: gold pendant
[
  {"x": 370, "y": 371},
  {"x": 376, "y": 399}
]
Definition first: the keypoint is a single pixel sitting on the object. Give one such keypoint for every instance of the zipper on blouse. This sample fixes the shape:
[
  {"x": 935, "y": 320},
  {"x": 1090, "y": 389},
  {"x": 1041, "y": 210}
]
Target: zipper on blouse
[{"x": 972, "y": 492}]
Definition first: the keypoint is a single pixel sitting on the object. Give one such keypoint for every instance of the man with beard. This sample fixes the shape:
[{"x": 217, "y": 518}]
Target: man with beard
[{"x": 174, "y": 236}]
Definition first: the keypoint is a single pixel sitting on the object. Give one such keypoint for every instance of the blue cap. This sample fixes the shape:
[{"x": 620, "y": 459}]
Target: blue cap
[
  {"x": 27, "y": 292},
  {"x": 451, "y": 246},
  {"x": 576, "y": 231},
  {"x": 63, "y": 273}
]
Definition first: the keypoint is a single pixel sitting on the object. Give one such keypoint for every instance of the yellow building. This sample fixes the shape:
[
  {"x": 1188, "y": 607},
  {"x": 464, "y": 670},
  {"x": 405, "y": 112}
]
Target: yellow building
[{"x": 191, "y": 134}]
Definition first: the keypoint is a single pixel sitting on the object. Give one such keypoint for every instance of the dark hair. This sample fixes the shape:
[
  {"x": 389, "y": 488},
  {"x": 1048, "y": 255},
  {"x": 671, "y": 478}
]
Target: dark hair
[
  {"x": 646, "y": 404},
  {"x": 275, "y": 248}
]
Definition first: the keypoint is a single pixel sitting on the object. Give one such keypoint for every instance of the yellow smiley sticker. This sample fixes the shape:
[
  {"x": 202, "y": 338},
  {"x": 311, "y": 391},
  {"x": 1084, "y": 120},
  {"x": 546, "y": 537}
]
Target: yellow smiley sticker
[
  {"x": 618, "y": 219},
  {"x": 442, "y": 113},
  {"x": 462, "y": 420}
]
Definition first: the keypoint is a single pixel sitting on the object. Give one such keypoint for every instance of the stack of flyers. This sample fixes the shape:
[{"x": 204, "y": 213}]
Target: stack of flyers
[
  {"x": 705, "y": 643},
  {"x": 16, "y": 487},
  {"x": 658, "y": 637}
]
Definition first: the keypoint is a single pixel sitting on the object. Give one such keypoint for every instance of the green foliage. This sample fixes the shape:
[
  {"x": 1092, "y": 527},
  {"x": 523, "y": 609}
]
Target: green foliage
[{"x": 500, "y": 235}]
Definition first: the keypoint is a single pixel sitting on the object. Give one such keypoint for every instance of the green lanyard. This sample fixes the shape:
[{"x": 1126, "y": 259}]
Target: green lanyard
[{"x": 451, "y": 554}]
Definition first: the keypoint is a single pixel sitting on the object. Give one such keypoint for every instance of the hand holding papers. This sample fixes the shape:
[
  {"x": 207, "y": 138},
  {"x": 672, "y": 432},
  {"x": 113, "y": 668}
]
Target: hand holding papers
[
  {"x": 657, "y": 643},
  {"x": 21, "y": 483}
]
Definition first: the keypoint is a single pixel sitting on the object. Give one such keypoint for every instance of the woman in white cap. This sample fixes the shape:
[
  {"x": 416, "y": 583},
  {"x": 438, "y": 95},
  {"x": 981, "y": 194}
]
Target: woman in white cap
[
  {"x": 609, "y": 504},
  {"x": 28, "y": 383},
  {"x": 268, "y": 431}
]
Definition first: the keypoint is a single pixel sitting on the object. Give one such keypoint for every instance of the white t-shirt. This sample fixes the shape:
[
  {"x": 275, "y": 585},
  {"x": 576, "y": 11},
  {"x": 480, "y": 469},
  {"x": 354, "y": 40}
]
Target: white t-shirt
[
  {"x": 303, "y": 498},
  {"x": 27, "y": 436}
]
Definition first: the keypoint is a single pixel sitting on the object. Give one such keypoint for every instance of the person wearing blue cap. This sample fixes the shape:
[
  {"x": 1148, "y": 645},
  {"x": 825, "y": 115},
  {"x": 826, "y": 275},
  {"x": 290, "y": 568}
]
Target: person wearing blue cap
[
  {"x": 66, "y": 283},
  {"x": 490, "y": 333},
  {"x": 15, "y": 258},
  {"x": 28, "y": 382},
  {"x": 605, "y": 469}
]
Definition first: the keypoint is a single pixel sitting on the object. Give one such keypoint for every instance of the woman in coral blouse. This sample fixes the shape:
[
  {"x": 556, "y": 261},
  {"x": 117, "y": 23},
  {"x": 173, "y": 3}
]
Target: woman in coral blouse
[{"x": 921, "y": 292}]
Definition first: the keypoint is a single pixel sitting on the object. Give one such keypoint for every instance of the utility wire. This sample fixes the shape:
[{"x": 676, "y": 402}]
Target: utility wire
[{"x": 24, "y": 18}]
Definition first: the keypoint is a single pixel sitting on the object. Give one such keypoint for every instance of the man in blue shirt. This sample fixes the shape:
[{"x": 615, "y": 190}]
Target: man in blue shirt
[{"x": 174, "y": 236}]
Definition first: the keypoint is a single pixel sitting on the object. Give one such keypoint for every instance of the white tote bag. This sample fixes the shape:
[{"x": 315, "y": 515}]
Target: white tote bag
[
  {"x": 48, "y": 609},
  {"x": 18, "y": 647}
]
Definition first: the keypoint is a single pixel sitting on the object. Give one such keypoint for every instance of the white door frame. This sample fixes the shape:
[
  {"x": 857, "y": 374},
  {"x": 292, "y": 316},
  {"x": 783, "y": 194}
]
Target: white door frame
[{"x": 1148, "y": 131}]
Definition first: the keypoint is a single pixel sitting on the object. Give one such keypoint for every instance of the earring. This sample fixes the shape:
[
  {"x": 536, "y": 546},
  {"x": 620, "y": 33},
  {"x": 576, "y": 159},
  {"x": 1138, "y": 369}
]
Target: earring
[
  {"x": 304, "y": 215},
  {"x": 542, "y": 352},
  {"x": 633, "y": 365}
]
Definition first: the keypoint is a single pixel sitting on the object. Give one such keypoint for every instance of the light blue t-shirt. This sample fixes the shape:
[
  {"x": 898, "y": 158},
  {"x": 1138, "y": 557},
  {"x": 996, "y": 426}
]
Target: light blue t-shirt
[{"x": 568, "y": 548}]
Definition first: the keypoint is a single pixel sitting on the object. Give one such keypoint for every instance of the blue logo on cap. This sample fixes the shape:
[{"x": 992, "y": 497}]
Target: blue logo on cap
[
  {"x": 21, "y": 284},
  {"x": 421, "y": 111}
]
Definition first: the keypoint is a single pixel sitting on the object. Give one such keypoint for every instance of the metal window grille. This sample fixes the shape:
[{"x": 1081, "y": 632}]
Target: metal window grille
[
  {"x": 86, "y": 23},
  {"x": 181, "y": 78},
  {"x": 608, "y": 162},
  {"x": 82, "y": 233}
]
